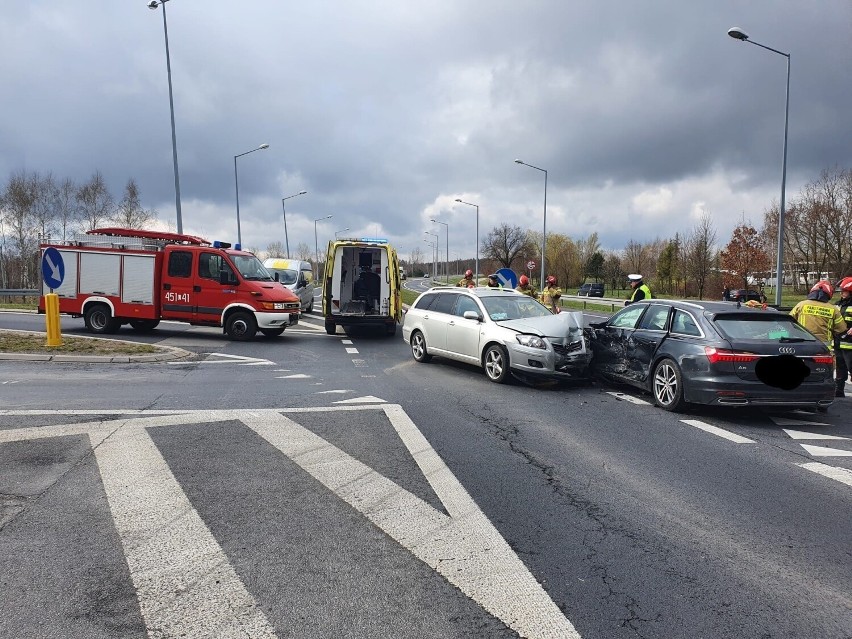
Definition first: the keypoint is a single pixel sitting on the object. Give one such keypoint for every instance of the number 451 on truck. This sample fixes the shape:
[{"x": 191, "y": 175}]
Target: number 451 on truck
[{"x": 116, "y": 276}]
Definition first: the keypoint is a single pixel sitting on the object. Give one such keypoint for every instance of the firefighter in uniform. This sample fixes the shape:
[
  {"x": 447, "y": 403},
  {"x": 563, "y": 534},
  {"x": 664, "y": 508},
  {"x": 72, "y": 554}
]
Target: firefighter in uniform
[
  {"x": 467, "y": 280},
  {"x": 640, "y": 289},
  {"x": 525, "y": 287},
  {"x": 818, "y": 315},
  {"x": 550, "y": 294},
  {"x": 843, "y": 342}
]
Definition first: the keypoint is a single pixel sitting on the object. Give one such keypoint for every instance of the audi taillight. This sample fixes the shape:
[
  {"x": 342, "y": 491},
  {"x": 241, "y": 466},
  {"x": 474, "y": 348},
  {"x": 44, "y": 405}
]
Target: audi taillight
[
  {"x": 824, "y": 359},
  {"x": 724, "y": 355}
]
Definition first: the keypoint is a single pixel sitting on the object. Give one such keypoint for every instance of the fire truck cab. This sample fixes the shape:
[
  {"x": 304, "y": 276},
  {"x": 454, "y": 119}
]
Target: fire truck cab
[{"x": 116, "y": 276}]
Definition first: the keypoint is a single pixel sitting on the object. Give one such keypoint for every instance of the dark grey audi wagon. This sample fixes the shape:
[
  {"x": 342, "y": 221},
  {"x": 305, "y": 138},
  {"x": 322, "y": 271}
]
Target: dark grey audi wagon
[{"x": 713, "y": 353}]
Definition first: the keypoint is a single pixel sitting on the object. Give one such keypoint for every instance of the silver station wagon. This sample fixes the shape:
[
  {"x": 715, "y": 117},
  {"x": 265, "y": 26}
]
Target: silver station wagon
[{"x": 502, "y": 331}]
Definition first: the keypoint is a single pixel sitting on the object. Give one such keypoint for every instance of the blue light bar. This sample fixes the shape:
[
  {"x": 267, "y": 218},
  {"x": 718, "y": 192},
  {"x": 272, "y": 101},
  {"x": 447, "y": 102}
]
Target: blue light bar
[
  {"x": 223, "y": 245},
  {"x": 375, "y": 240},
  {"x": 238, "y": 247}
]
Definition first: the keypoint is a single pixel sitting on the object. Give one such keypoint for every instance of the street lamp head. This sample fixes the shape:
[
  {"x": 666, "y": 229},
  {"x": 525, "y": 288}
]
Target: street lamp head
[
  {"x": 153, "y": 4},
  {"x": 263, "y": 146},
  {"x": 737, "y": 34},
  {"x": 302, "y": 192},
  {"x": 458, "y": 199},
  {"x": 517, "y": 161}
]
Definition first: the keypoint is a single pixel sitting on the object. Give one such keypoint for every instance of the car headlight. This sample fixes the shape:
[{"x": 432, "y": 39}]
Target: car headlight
[{"x": 533, "y": 341}]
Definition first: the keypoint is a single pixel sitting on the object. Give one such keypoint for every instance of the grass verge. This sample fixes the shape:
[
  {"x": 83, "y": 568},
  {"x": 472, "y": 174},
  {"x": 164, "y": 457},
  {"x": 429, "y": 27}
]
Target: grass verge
[{"x": 21, "y": 342}]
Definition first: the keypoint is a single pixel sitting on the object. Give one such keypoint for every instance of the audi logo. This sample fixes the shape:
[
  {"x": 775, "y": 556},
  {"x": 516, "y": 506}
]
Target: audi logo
[{"x": 787, "y": 350}]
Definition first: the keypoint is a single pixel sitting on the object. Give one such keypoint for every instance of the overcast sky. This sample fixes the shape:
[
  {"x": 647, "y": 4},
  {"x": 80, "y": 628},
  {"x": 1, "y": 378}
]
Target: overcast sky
[{"x": 644, "y": 114}]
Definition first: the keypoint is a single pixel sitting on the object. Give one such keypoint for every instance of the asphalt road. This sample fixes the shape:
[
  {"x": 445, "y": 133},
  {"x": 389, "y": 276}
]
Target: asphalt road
[{"x": 316, "y": 486}]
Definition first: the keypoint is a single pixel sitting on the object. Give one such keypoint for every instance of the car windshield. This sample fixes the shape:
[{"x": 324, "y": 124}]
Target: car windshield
[
  {"x": 285, "y": 275},
  {"x": 251, "y": 268},
  {"x": 513, "y": 307},
  {"x": 766, "y": 328}
]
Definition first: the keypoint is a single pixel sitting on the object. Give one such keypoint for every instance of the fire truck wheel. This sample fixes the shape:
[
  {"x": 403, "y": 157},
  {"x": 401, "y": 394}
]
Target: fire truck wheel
[
  {"x": 241, "y": 326},
  {"x": 99, "y": 319},
  {"x": 273, "y": 332},
  {"x": 144, "y": 325}
]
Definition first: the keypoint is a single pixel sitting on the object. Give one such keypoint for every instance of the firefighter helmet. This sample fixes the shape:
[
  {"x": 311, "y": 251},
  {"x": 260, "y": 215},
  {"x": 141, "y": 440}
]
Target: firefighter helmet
[
  {"x": 845, "y": 284},
  {"x": 823, "y": 286},
  {"x": 524, "y": 280},
  {"x": 468, "y": 273},
  {"x": 551, "y": 280}
]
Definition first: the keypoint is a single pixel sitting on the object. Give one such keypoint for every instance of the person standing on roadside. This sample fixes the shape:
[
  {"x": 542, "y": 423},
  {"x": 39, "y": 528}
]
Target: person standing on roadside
[
  {"x": 843, "y": 341},
  {"x": 550, "y": 294},
  {"x": 819, "y": 316},
  {"x": 467, "y": 280},
  {"x": 525, "y": 287},
  {"x": 493, "y": 282},
  {"x": 640, "y": 289}
]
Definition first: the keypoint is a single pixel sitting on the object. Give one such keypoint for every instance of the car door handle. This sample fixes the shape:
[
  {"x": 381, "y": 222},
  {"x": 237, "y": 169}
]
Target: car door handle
[{"x": 452, "y": 323}]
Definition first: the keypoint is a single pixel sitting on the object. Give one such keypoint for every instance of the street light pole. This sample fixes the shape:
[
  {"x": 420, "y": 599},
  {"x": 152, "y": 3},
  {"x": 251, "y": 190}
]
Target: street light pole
[
  {"x": 237, "y": 185},
  {"x": 434, "y": 252},
  {"x": 340, "y": 231},
  {"x": 476, "y": 277},
  {"x": 544, "y": 229},
  {"x": 286, "y": 239},
  {"x": 739, "y": 34},
  {"x": 316, "y": 242},
  {"x": 153, "y": 5},
  {"x": 432, "y": 244},
  {"x": 447, "y": 245}
]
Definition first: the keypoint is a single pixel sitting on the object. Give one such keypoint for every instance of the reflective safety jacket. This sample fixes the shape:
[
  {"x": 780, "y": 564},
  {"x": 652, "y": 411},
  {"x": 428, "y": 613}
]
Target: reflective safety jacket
[
  {"x": 645, "y": 294},
  {"x": 846, "y": 313},
  {"x": 529, "y": 290},
  {"x": 466, "y": 283},
  {"x": 823, "y": 319},
  {"x": 550, "y": 296}
]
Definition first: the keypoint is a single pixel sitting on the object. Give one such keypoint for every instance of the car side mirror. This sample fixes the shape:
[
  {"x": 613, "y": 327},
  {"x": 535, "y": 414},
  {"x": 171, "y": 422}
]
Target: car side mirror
[
  {"x": 472, "y": 315},
  {"x": 277, "y": 276},
  {"x": 226, "y": 277}
]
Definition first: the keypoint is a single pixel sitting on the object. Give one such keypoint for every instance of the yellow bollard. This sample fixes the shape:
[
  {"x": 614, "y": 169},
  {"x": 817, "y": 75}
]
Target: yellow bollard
[{"x": 51, "y": 314}]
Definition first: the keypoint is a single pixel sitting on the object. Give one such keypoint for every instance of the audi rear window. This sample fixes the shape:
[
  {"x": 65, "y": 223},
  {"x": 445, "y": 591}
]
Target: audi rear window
[{"x": 773, "y": 328}]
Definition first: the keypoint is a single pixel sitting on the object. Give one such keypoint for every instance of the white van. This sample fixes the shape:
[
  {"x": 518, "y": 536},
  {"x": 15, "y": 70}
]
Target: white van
[
  {"x": 296, "y": 275},
  {"x": 361, "y": 285}
]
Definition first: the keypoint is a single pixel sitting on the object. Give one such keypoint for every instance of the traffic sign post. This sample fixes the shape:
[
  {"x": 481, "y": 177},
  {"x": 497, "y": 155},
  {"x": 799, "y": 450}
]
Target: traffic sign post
[
  {"x": 52, "y": 272},
  {"x": 530, "y": 268}
]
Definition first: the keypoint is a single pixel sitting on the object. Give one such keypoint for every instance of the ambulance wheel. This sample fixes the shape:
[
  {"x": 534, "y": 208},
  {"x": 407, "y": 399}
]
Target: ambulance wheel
[
  {"x": 144, "y": 325},
  {"x": 99, "y": 320},
  {"x": 273, "y": 332},
  {"x": 241, "y": 326},
  {"x": 330, "y": 328}
]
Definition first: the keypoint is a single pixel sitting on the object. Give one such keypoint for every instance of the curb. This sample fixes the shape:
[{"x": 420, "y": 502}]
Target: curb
[{"x": 167, "y": 353}]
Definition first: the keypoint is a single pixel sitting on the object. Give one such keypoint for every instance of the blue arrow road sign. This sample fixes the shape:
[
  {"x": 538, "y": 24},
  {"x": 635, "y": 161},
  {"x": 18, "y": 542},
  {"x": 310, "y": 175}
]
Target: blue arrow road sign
[
  {"x": 52, "y": 268},
  {"x": 507, "y": 278}
]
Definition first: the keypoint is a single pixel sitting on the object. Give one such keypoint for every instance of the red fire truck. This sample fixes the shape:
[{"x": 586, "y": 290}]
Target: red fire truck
[{"x": 117, "y": 276}]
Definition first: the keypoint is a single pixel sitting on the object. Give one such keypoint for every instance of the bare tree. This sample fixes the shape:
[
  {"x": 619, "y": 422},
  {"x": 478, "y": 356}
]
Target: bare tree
[
  {"x": 504, "y": 243},
  {"x": 96, "y": 202},
  {"x": 130, "y": 214},
  {"x": 634, "y": 257},
  {"x": 66, "y": 208},
  {"x": 45, "y": 193},
  {"x": 275, "y": 249},
  {"x": 304, "y": 252},
  {"x": 18, "y": 203},
  {"x": 701, "y": 255}
]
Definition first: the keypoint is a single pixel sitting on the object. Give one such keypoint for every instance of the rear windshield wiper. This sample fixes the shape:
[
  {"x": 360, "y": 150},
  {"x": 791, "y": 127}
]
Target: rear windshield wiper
[{"x": 787, "y": 340}]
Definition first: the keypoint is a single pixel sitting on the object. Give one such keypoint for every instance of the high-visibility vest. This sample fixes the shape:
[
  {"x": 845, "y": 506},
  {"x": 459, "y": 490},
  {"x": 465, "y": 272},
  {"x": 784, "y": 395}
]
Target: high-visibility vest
[
  {"x": 644, "y": 288},
  {"x": 846, "y": 313},
  {"x": 820, "y": 318}
]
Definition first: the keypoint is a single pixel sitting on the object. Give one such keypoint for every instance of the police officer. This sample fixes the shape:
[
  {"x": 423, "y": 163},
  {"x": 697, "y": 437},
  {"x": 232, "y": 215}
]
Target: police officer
[
  {"x": 550, "y": 294},
  {"x": 843, "y": 342},
  {"x": 640, "y": 289},
  {"x": 493, "y": 282},
  {"x": 525, "y": 287},
  {"x": 467, "y": 280},
  {"x": 818, "y": 315}
]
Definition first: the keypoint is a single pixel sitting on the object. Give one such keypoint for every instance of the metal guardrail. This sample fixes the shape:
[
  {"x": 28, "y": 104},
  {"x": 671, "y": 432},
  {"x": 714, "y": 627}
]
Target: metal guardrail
[{"x": 19, "y": 292}]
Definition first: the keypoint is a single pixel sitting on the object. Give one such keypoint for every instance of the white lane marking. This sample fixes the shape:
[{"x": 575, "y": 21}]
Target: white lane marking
[
  {"x": 824, "y": 451},
  {"x": 465, "y": 547},
  {"x": 359, "y": 363},
  {"x": 351, "y": 350},
  {"x": 332, "y": 392},
  {"x": 720, "y": 432},
  {"x": 842, "y": 475},
  {"x": 346, "y": 341},
  {"x": 184, "y": 582},
  {"x": 629, "y": 398},
  {"x": 800, "y": 434},
  {"x": 787, "y": 421},
  {"x": 367, "y": 399},
  {"x": 281, "y": 370},
  {"x": 294, "y": 376},
  {"x": 240, "y": 360},
  {"x": 11, "y": 381}
]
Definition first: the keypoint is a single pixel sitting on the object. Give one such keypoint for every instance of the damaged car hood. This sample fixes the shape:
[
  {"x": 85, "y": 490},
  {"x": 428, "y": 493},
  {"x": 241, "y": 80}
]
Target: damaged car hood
[{"x": 548, "y": 326}]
